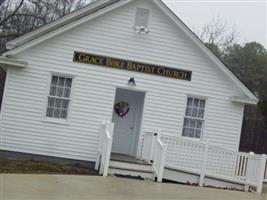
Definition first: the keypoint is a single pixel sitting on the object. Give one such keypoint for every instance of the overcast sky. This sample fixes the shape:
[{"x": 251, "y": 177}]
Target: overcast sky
[{"x": 249, "y": 17}]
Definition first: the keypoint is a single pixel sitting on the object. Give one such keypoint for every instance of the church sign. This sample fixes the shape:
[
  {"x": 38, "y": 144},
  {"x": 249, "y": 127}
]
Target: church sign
[{"x": 131, "y": 66}]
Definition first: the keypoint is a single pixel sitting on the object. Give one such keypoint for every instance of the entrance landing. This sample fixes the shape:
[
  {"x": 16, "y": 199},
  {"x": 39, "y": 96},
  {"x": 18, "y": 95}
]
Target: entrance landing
[{"x": 125, "y": 158}]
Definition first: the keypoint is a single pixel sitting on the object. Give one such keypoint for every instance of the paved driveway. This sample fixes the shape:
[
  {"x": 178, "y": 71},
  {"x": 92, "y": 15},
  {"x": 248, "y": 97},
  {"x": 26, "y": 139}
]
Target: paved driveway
[{"x": 51, "y": 187}]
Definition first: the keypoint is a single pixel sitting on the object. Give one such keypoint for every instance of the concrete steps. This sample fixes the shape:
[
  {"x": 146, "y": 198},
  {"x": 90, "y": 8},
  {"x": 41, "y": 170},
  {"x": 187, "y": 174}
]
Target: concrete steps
[{"x": 140, "y": 170}]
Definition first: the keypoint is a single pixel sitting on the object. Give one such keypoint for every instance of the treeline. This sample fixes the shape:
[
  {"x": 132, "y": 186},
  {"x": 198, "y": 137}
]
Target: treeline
[
  {"x": 248, "y": 61},
  {"x": 249, "y": 64}
]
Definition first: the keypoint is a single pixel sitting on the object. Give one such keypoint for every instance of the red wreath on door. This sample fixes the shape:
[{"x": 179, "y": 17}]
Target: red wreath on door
[{"x": 122, "y": 108}]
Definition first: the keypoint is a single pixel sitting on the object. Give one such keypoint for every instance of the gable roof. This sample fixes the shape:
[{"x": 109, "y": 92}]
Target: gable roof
[{"x": 101, "y": 7}]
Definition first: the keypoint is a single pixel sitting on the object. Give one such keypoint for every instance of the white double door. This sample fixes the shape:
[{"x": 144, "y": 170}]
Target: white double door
[{"x": 127, "y": 127}]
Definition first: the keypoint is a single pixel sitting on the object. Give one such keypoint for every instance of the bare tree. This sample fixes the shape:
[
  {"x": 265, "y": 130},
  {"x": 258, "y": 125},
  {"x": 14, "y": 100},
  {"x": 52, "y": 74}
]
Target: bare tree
[
  {"x": 20, "y": 17},
  {"x": 4, "y": 5},
  {"x": 7, "y": 11},
  {"x": 216, "y": 34}
]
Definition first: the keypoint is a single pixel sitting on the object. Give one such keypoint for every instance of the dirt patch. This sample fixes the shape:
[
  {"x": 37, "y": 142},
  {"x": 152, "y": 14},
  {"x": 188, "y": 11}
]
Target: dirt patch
[{"x": 9, "y": 166}]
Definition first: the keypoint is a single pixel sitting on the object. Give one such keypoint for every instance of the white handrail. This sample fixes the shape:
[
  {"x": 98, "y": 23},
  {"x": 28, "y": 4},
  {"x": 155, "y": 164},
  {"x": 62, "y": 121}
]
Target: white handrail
[
  {"x": 210, "y": 160},
  {"x": 147, "y": 151},
  {"x": 195, "y": 157},
  {"x": 105, "y": 145},
  {"x": 100, "y": 146},
  {"x": 160, "y": 150}
]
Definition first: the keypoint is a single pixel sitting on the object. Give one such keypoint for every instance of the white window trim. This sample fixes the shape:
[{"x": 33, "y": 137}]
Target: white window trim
[
  {"x": 51, "y": 120},
  {"x": 204, "y": 118},
  {"x": 149, "y": 17}
]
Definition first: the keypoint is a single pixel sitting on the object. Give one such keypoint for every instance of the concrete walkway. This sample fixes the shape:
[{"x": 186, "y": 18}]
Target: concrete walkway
[{"x": 52, "y": 187}]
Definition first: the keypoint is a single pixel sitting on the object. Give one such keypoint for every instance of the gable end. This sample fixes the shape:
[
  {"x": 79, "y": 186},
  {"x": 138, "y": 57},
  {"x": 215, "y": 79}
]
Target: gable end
[{"x": 103, "y": 6}]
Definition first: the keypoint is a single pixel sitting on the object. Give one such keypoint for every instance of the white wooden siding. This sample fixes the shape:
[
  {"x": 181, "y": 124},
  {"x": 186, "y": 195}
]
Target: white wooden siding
[{"x": 23, "y": 128}]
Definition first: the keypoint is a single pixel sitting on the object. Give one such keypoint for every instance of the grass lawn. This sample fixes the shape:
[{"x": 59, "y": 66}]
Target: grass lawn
[{"x": 42, "y": 167}]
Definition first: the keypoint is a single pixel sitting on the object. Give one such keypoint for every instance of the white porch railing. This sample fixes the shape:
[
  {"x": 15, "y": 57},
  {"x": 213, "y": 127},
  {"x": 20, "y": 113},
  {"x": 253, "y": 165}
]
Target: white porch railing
[
  {"x": 209, "y": 161},
  {"x": 104, "y": 150},
  {"x": 149, "y": 139},
  {"x": 154, "y": 151},
  {"x": 159, "y": 158}
]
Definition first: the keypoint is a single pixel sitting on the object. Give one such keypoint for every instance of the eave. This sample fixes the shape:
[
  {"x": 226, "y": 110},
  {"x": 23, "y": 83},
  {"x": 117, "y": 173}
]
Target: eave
[
  {"x": 244, "y": 100},
  {"x": 9, "y": 62}
]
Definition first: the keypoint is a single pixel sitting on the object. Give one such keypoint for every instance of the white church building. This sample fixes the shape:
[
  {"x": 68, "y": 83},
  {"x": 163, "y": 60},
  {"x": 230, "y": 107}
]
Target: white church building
[{"x": 125, "y": 84}]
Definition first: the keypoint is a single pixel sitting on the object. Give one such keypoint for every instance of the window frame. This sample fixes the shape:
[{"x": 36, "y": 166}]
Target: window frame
[
  {"x": 47, "y": 94},
  {"x": 204, "y": 119},
  {"x": 149, "y": 17}
]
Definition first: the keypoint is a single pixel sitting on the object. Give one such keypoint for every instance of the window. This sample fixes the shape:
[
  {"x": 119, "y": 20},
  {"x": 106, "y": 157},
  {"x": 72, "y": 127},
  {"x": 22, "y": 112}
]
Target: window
[
  {"x": 59, "y": 97},
  {"x": 141, "y": 17},
  {"x": 194, "y": 118}
]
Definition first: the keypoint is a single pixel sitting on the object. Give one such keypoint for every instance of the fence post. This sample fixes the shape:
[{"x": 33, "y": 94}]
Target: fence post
[
  {"x": 204, "y": 165},
  {"x": 261, "y": 173},
  {"x": 163, "y": 157},
  {"x": 162, "y": 163},
  {"x": 108, "y": 149},
  {"x": 152, "y": 148},
  {"x": 111, "y": 129},
  {"x": 100, "y": 147},
  {"x": 249, "y": 171}
]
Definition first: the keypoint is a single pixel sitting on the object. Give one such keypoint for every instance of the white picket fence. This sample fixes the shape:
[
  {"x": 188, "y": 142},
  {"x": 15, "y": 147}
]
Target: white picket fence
[
  {"x": 203, "y": 159},
  {"x": 208, "y": 160}
]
